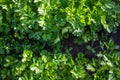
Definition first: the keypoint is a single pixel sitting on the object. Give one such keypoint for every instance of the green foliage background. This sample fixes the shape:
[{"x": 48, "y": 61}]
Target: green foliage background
[{"x": 27, "y": 26}]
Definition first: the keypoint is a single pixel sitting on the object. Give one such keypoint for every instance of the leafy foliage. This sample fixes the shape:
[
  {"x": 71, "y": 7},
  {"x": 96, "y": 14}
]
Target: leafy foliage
[{"x": 29, "y": 27}]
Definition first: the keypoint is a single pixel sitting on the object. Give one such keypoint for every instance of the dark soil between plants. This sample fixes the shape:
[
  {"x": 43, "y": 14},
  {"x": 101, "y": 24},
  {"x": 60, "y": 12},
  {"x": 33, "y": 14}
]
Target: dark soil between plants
[{"x": 69, "y": 43}]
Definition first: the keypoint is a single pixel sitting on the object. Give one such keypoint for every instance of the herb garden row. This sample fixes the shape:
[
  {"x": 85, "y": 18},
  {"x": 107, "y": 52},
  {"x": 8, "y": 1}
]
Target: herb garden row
[{"x": 59, "y": 39}]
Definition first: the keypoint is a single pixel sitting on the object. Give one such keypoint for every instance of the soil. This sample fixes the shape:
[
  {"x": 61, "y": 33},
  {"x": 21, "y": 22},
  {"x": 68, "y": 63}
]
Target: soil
[{"x": 69, "y": 43}]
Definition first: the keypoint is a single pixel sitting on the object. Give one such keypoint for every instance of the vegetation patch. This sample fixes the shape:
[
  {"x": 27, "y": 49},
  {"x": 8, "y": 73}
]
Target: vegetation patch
[{"x": 59, "y": 40}]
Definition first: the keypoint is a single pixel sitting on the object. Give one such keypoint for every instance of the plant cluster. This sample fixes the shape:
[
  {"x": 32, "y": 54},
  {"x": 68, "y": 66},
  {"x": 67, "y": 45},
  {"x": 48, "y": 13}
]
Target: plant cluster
[{"x": 31, "y": 32}]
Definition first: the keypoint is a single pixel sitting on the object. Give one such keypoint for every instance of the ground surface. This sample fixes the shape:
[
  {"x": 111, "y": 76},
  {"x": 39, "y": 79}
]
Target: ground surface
[{"x": 69, "y": 43}]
